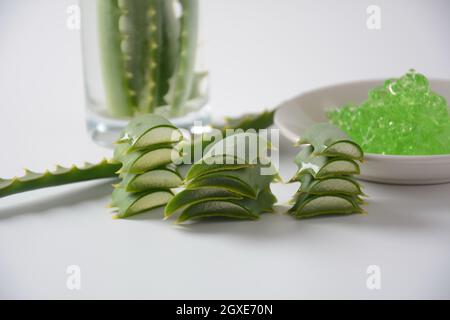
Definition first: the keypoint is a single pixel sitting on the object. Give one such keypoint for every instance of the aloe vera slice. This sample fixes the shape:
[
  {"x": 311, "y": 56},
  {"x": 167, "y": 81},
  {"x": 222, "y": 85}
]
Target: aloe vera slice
[
  {"x": 163, "y": 178},
  {"x": 336, "y": 185},
  {"x": 150, "y": 130},
  {"x": 321, "y": 166},
  {"x": 193, "y": 196},
  {"x": 310, "y": 206},
  {"x": 246, "y": 147},
  {"x": 237, "y": 209},
  {"x": 128, "y": 204},
  {"x": 142, "y": 161},
  {"x": 225, "y": 182},
  {"x": 329, "y": 140},
  {"x": 219, "y": 163}
]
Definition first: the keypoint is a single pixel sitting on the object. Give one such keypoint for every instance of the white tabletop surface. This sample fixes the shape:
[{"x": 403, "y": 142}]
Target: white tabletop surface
[{"x": 260, "y": 52}]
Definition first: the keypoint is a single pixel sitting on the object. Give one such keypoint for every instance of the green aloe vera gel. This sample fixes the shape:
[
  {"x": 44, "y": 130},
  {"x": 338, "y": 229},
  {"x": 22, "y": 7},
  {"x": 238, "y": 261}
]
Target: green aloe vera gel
[{"x": 401, "y": 117}]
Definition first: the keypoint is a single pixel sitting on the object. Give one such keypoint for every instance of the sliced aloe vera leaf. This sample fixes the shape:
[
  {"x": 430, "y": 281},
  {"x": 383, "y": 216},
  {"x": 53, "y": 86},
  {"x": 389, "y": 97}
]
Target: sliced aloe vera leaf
[
  {"x": 228, "y": 183},
  {"x": 128, "y": 204},
  {"x": 237, "y": 209},
  {"x": 321, "y": 166},
  {"x": 193, "y": 196},
  {"x": 329, "y": 140},
  {"x": 163, "y": 178},
  {"x": 142, "y": 161},
  {"x": 149, "y": 130},
  {"x": 219, "y": 163},
  {"x": 311, "y": 205},
  {"x": 208, "y": 209},
  {"x": 246, "y": 147},
  {"x": 340, "y": 185}
]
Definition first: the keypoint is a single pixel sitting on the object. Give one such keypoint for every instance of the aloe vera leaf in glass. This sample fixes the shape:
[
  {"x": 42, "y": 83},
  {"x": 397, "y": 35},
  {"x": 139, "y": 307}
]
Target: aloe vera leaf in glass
[
  {"x": 32, "y": 180},
  {"x": 328, "y": 140},
  {"x": 181, "y": 82},
  {"x": 138, "y": 53},
  {"x": 321, "y": 166}
]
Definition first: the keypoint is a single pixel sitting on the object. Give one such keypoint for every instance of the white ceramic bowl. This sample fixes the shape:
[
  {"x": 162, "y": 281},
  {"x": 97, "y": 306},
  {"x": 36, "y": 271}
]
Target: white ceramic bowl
[{"x": 297, "y": 114}]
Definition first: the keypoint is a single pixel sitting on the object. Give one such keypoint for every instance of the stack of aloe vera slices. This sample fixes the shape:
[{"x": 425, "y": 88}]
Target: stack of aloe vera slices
[
  {"x": 147, "y": 150},
  {"x": 327, "y": 164},
  {"x": 226, "y": 183}
]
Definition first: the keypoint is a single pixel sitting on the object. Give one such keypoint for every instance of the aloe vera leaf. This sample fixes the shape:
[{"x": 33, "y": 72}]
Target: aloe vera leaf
[
  {"x": 163, "y": 178},
  {"x": 237, "y": 209},
  {"x": 193, "y": 196},
  {"x": 149, "y": 130},
  {"x": 158, "y": 48},
  {"x": 256, "y": 121},
  {"x": 127, "y": 204},
  {"x": 332, "y": 185},
  {"x": 141, "y": 161},
  {"x": 225, "y": 182},
  {"x": 321, "y": 166},
  {"x": 170, "y": 27},
  {"x": 180, "y": 84},
  {"x": 311, "y": 205},
  {"x": 329, "y": 140},
  {"x": 60, "y": 176},
  {"x": 200, "y": 168},
  {"x": 118, "y": 96}
]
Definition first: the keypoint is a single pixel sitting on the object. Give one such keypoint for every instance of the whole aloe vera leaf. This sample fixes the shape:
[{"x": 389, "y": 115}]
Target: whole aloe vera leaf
[
  {"x": 237, "y": 209},
  {"x": 162, "y": 178},
  {"x": 180, "y": 84},
  {"x": 321, "y": 166},
  {"x": 127, "y": 204},
  {"x": 60, "y": 176},
  {"x": 308, "y": 206},
  {"x": 329, "y": 140},
  {"x": 193, "y": 196},
  {"x": 149, "y": 130},
  {"x": 120, "y": 95},
  {"x": 170, "y": 28}
]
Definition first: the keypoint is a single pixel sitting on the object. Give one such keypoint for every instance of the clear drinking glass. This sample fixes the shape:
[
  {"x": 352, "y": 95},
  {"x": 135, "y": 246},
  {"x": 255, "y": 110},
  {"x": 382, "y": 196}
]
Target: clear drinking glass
[{"x": 142, "y": 56}]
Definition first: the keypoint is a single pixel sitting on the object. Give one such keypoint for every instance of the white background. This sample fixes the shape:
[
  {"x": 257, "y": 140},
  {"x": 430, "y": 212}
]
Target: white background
[{"x": 260, "y": 53}]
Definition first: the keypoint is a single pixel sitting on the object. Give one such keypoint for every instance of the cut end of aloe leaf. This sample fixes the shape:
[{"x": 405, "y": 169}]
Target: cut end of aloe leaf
[
  {"x": 154, "y": 179},
  {"x": 157, "y": 136},
  {"x": 346, "y": 149},
  {"x": 132, "y": 204},
  {"x": 326, "y": 205},
  {"x": 338, "y": 167}
]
